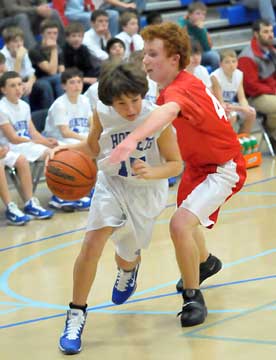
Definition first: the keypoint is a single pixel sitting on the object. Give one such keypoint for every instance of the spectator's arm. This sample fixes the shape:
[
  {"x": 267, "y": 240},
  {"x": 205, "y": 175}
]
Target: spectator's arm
[
  {"x": 216, "y": 89},
  {"x": 11, "y": 134},
  {"x": 241, "y": 96},
  {"x": 13, "y": 8},
  {"x": 50, "y": 67},
  {"x": 122, "y": 4},
  {"x": 253, "y": 86},
  {"x": 68, "y": 133}
]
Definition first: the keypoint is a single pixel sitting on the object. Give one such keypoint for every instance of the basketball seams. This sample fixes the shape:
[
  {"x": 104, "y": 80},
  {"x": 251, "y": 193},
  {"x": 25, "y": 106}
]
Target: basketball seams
[{"x": 52, "y": 161}]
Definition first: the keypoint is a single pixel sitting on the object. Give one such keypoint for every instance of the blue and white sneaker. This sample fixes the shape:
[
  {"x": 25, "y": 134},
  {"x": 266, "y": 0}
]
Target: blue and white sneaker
[
  {"x": 125, "y": 285},
  {"x": 70, "y": 340},
  {"x": 15, "y": 216},
  {"x": 34, "y": 209},
  {"x": 58, "y": 203},
  {"x": 83, "y": 203}
]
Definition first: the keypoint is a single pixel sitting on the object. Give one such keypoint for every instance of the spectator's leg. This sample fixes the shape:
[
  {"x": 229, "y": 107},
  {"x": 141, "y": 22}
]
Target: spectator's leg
[
  {"x": 113, "y": 17},
  {"x": 210, "y": 58},
  {"x": 55, "y": 82},
  {"x": 42, "y": 95},
  {"x": 266, "y": 104}
]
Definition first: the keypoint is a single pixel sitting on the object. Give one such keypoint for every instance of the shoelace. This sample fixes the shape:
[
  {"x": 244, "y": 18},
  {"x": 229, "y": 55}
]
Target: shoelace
[
  {"x": 36, "y": 204},
  {"x": 14, "y": 209},
  {"x": 123, "y": 279},
  {"x": 74, "y": 325}
]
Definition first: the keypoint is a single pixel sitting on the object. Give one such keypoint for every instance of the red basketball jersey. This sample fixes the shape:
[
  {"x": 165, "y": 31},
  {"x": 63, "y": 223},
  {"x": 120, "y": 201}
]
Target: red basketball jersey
[{"x": 204, "y": 134}]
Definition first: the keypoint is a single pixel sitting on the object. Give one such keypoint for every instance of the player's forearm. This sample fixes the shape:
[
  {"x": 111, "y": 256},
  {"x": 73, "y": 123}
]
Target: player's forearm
[
  {"x": 167, "y": 170},
  {"x": 157, "y": 120}
]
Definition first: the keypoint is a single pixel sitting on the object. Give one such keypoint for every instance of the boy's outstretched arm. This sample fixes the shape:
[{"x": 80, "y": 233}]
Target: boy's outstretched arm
[{"x": 158, "y": 119}]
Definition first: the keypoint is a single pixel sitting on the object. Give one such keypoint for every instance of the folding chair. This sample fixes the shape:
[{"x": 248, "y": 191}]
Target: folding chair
[{"x": 260, "y": 119}]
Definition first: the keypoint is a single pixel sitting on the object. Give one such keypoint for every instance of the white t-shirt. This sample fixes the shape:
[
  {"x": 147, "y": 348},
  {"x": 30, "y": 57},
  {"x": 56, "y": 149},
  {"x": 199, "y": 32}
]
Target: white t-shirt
[
  {"x": 136, "y": 39},
  {"x": 63, "y": 112},
  {"x": 201, "y": 73},
  {"x": 26, "y": 70},
  {"x": 93, "y": 41},
  {"x": 229, "y": 87}
]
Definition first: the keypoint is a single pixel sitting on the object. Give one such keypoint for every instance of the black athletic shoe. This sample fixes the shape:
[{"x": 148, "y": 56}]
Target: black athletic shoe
[
  {"x": 208, "y": 268},
  {"x": 194, "y": 310}
]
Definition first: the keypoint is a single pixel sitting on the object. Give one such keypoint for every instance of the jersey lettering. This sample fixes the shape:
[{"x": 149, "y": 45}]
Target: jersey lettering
[{"x": 217, "y": 105}]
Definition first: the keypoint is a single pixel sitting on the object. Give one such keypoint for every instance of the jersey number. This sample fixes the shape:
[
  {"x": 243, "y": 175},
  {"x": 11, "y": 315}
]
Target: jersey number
[
  {"x": 217, "y": 105},
  {"x": 123, "y": 168}
]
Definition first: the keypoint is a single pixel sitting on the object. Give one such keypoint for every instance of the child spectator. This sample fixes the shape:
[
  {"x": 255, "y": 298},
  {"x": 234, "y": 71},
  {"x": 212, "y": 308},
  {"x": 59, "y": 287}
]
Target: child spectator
[
  {"x": 194, "y": 66},
  {"x": 18, "y": 132},
  {"x": 133, "y": 41},
  {"x": 69, "y": 119},
  {"x": 96, "y": 38},
  {"x": 17, "y": 58},
  {"x": 77, "y": 55},
  {"x": 227, "y": 86},
  {"x": 116, "y": 51},
  {"x": 194, "y": 22},
  {"x": 3, "y": 67},
  {"x": 128, "y": 197},
  {"x": 47, "y": 61}
]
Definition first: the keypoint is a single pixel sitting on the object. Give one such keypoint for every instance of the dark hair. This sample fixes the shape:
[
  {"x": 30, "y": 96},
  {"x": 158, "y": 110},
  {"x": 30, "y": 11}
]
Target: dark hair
[
  {"x": 95, "y": 14},
  {"x": 113, "y": 41},
  {"x": 175, "y": 40},
  {"x": 8, "y": 75},
  {"x": 153, "y": 18},
  {"x": 11, "y": 33},
  {"x": 197, "y": 5},
  {"x": 74, "y": 27},
  {"x": 121, "y": 79},
  {"x": 2, "y": 58},
  {"x": 257, "y": 24},
  {"x": 196, "y": 48},
  {"x": 47, "y": 24},
  {"x": 69, "y": 73}
]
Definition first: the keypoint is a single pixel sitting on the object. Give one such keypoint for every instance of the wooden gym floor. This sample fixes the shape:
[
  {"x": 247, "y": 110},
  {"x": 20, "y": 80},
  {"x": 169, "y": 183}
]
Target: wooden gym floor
[{"x": 35, "y": 286}]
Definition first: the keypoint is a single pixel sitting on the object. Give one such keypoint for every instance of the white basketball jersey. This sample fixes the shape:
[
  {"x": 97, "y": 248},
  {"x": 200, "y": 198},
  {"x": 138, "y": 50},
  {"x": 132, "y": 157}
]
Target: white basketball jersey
[
  {"x": 116, "y": 129},
  {"x": 229, "y": 87}
]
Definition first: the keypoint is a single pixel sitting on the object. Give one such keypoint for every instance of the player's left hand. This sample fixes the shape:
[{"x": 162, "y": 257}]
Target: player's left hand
[
  {"x": 123, "y": 150},
  {"x": 142, "y": 170}
]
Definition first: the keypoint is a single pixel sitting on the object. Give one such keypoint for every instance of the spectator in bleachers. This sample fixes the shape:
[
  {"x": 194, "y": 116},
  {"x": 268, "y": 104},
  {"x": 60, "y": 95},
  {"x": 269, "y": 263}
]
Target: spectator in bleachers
[
  {"x": 132, "y": 40},
  {"x": 116, "y": 51},
  {"x": 77, "y": 55},
  {"x": 98, "y": 35},
  {"x": 195, "y": 68},
  {"x": 80, "y": 11},
  {"x": 136, "y": 6},
  {"x": 153, "y": 18},
  {"x": 37, "y": 11},
  {"x": 13, "y": 214},
  {"x": 47, "y": 61},
  {"x": 21, "y": 20},
  {"x": 227, "y": 86},
  {"x": 265, "y": 8},
  {"x": 17, "y": 58},
  {"x": 194, "y": 22},
  {"x": 69, "y": 119},
  {"x": 258, "y": 61},
  {"x": 19, "y": 134},
  {"x": 3, "y": 67}
]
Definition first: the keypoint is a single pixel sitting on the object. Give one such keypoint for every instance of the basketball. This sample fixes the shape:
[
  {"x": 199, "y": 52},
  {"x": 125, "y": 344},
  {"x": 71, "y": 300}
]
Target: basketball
[{"x": 70, "y": 174}]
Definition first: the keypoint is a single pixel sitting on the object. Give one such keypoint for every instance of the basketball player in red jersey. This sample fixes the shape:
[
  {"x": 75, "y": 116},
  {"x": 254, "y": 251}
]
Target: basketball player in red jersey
[{"x": 214, "y": 166}]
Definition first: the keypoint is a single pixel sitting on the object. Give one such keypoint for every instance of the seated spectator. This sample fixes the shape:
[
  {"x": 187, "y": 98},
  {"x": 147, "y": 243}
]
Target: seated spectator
[
  {"x": 69, "y": 119},
  {"x": 47, "y": 61},
  {"x": 3, "y": 67},
  {"x": 265, "y": 7},
  {"x": 98, "y": 35},
  {"x": 17, "y": 58},
  {"x": 116, "y": 52},
  {"x": 194, "y": 22},
  {"x": 257, "y": 62},
  {"x": 195, "y": 68},
  {"x": 37, "y": 11},
  {"x": 77, "y": 55},
  {"x": 154, "y": 17},
  {"x": 227, "y": 86},
  {"x": 19, "y": 134},
  {"x": 80, "y": 11},
  {"x": 13, "y": 214},
  {"x": 133, "y": 41}
]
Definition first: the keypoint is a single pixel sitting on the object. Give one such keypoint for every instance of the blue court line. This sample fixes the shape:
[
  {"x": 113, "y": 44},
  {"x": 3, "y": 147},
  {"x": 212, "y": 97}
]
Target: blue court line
[
  {"x": 258, "y": 193},
  {"x": 231, "y": 339}
]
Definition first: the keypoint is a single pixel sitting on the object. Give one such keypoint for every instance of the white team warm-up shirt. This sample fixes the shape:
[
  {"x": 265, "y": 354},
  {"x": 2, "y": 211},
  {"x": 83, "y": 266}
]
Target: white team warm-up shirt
[
  {"x": 63, "y": 112},
  {"x": 229, "y": 87},
  {"x": 19, "y": 116},
  {"x": 136, "y": 39},
  {"x": 120, "y": 199}
]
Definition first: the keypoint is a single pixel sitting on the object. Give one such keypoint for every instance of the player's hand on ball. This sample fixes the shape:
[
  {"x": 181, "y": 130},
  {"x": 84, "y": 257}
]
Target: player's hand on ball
[
  {"x": 123, "y": 150},
  {"x": 142, "y": 170}
]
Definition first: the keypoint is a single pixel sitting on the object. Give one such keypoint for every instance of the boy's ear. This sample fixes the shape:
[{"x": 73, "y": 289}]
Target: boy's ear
[{"x": 176, "y": 58}]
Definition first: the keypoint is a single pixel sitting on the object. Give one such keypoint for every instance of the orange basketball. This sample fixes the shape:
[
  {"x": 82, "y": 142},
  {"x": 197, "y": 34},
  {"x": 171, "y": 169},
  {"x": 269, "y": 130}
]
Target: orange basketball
[{"x": 71, "y": 174}]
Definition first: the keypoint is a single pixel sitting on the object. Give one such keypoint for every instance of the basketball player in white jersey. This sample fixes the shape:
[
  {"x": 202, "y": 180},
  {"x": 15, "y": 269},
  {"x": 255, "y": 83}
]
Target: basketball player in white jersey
[{"x": 128, "y": 197}]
